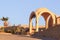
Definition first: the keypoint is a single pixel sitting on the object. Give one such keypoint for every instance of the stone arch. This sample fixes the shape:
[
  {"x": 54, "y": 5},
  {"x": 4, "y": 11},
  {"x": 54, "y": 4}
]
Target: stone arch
[
  {"x": 45, "y": 13},
  {"x": 41, "y": 12},
  {"x": 32, "y": 15}
]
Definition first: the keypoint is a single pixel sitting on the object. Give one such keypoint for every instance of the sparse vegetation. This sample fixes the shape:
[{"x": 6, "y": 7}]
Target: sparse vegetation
[
  {"x": 15, "y": 30},
  {"x": 2, "y": 29}
]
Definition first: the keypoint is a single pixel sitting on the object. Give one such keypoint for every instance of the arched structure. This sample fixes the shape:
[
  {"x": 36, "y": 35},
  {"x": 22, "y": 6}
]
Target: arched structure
[
  {"x": 33, "y": 15},
  {"x": 45, "y": 13}
]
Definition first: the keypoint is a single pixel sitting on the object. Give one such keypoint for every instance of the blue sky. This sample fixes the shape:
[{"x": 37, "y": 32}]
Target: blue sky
[{"x": 19, "y": 11}]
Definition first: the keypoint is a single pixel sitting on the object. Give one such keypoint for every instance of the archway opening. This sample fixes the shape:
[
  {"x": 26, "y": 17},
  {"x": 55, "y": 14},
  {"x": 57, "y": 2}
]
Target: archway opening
[
  {"x": 34, "y": 23},
  {"x": 41, "y": 22}
]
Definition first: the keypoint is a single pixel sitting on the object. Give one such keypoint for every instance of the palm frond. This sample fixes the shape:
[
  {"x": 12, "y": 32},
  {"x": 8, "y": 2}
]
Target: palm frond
[{"x": 4, "y": 19}]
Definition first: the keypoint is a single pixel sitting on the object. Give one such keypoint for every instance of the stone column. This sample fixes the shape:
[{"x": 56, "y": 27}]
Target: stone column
[
  {"x": 46, "y": 24},
  {"x": 37, "y": 28},
  {"x": 54, "y": 20},
  {"x": 30, "y": 26}
]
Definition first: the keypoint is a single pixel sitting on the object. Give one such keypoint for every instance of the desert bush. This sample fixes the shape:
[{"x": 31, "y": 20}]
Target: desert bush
[
  {"x": 2, "y": 29},
  {"x": 7, "y": 29},
  {"x": 15, "y": 30},
  {"x": 22, "y": 31},
  {"x": 19, "y": 30}
]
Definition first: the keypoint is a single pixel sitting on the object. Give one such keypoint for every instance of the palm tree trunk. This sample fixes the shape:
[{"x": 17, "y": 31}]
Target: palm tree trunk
[{"x": 5, "y": 23}]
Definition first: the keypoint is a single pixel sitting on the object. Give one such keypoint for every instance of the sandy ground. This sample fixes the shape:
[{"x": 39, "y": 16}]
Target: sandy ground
[{"x": 8, "y": 36}]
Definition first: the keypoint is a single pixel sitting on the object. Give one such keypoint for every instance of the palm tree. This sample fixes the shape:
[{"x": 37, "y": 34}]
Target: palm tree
[{"x": 5, "y": 21}]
